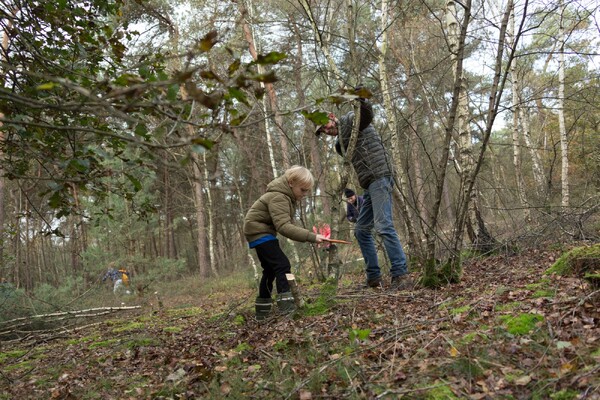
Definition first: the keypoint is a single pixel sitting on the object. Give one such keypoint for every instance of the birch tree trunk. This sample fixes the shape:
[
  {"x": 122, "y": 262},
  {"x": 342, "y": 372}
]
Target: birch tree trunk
[
  {"x": 430, "y": 271},
  {"x": 413, "y": 239},
  {"x": 322, "y": 184},
  {"x": 564, "y": 143},
  {"x": 536, "y": 163},
  {"x": 515, "y": 127},
  {"x": 209, "y": 207},
  {"x": 321, "y": 42},
  {"x": 465, "y": 141},
  {"x": 496, "y": 90},
  {"x": 249, "y": 36},
  {"x": 2, "y": 186}
]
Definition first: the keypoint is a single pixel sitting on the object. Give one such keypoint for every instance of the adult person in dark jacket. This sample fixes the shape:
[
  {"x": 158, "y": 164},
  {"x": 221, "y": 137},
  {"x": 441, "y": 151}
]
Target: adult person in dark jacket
[
  {"x": 354, "y": 203},
  {"x": 375, "y": 172},
  {"x": 271, "y": 214}
]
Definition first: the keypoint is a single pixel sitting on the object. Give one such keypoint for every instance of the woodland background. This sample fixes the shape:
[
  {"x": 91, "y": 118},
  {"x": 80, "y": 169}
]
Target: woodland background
[{"x": 140, "y": 132}]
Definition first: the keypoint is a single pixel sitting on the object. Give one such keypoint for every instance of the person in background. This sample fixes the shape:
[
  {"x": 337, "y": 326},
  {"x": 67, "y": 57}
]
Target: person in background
[
  {"x": 119, "y": 278},
  {"x": 271, "y": 214},
  {"x": 373, "y": 166},
  {"x": 354, "y": 202}
]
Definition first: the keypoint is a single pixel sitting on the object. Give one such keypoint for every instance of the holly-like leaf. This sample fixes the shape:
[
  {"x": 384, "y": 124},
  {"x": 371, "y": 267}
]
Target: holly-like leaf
[
  {"x": 208, "y": 41},
  {"x": 259, "y": 92},
  {"x": 271, "y": 58},
  {"x": 233, "y": 67},
  {"x": 238, "y": 120},
  {"x": 46, "y": 86},
  {"x": 362, "y": 92},
  {"x": 237, "y": 94},
  {"x": 137, "y": 185},
  {"x": 210, "y": 75},
  {"x": 205, "y": 143},
  {"x": 317, "y": 117},
  {"x": 141, "y": 130},
  {"x": 269, "y": 77},
  {"x": 341, "y": 98}
]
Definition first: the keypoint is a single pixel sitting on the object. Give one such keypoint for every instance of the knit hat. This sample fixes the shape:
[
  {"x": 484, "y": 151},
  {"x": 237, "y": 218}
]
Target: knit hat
[{"x": 349, "y": 192}]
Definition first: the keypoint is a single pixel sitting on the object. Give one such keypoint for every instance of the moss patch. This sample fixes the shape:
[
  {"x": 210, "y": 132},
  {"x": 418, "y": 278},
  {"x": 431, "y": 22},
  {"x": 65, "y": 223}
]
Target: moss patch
[
  {"x": 104, "y": 343},
  {"x": 579, "y": 261},
  {"x": 325, "y": 301},
  {"x": 4, "y": 357},
  {"x": 133, "y": 326},
  {"x": 521, "y": 324},
  {"x": 185, "y": 312}
]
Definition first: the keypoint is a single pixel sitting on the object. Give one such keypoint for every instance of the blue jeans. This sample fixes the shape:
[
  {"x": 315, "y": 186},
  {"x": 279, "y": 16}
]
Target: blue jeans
[{"x": 376, "y": 212}]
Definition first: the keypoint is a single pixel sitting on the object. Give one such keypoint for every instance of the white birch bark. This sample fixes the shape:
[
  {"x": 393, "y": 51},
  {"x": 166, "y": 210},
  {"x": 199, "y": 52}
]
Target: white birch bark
[
  {"x": 4, "y": 52},
  {"x": 393, "y": 124},
  {"x": 211, "y": 222},
  {"x": 536, "y": 162},
  {"x": 515, "y": 127},
  {"x": 252, "y": 44},
  {"x": 465, "y": 145},
  {"x": 322, "y": 44},
  {"x": 564, "y": 143}
]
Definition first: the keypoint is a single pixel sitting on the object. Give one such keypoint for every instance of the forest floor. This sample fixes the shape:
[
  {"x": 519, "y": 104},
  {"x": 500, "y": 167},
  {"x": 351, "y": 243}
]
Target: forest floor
[{"x": 506, "y": 331}]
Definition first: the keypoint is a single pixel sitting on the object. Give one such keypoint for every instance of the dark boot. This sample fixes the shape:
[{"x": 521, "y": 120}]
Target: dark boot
[
  {"x": 403, "y": 282},
  {"x": 375, "y": 283},
  {"x": 285, "y": 302},
  {"x": 263, "y": 308}
]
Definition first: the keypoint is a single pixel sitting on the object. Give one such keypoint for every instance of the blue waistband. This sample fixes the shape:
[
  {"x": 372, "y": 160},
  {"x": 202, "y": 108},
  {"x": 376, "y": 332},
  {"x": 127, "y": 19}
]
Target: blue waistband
[{"x": 261, "y": 240}]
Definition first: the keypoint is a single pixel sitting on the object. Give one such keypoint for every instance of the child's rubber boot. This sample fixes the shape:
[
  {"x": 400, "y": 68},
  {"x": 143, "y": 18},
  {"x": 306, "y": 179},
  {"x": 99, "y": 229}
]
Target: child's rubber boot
[
  {"x": 285, "y": 302},
  {"x": 263, "y": 308}
]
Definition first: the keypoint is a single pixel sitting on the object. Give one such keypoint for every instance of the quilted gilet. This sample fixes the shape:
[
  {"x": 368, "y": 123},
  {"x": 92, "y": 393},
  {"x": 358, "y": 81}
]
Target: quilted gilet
[{"x": 370, "y": 160}]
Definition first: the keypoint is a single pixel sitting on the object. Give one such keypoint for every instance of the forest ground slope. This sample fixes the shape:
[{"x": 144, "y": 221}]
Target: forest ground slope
[{"x": 506, "y": 331}]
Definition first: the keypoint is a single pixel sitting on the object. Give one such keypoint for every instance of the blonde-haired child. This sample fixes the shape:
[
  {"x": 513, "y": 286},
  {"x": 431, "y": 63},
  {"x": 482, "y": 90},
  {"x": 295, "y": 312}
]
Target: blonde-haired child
[{"x": 271, "y": 214}]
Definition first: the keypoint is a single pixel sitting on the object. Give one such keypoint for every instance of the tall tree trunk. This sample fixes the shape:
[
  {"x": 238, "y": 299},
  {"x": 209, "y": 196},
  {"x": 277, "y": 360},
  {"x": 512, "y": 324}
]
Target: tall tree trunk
[
  {"x": 477, "y": 233},
  {"x": 564, "y": 143},
  {"x": 169, "y": 233},
  {"x": 322, "y": 184},
  {"x": 495, "y": 98},
  {"x": 334, "y": 70},
  {"x": 536, "y": 163},
  {"x": 248, "y": 35},
  {"x": 4, "y": 53},
  {"x": 430, "y": 272},
  {"x": 212, "y": 239},
  {"x": 203, "y": 258},
  {"x": 515, "y": 127},
  {"x": 413, "y": 239}
]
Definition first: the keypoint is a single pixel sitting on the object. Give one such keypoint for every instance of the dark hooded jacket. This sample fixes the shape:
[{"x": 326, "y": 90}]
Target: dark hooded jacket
[
  {"x": 370, "y": 159},
  {"x": 274, "y": 213}
]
